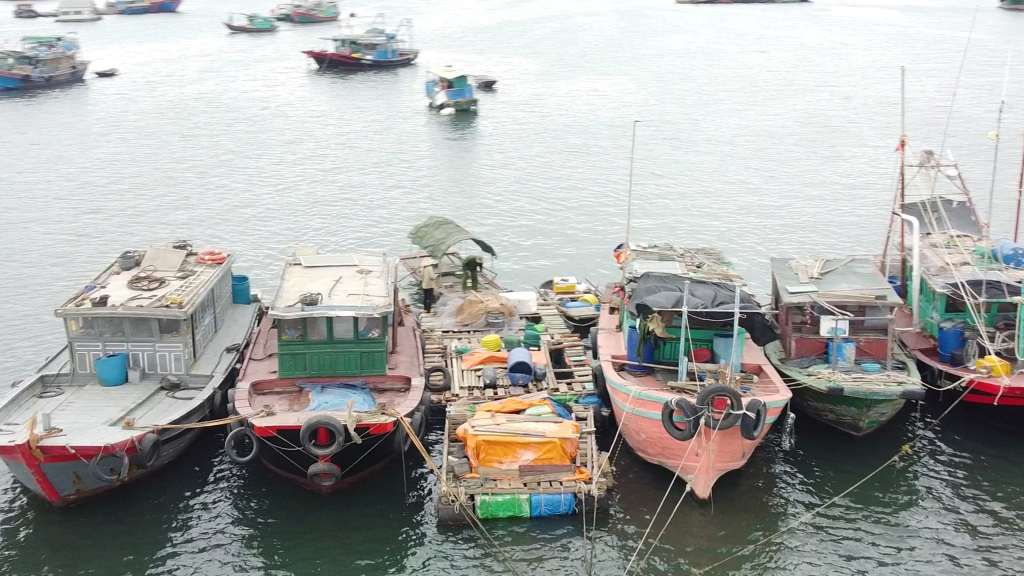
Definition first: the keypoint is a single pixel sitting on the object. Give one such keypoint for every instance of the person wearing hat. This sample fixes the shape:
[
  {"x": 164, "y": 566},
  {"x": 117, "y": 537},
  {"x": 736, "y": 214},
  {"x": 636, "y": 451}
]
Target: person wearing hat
[
  {"x": 428, "y": 283},
  {"x": 471, "y": 267}
]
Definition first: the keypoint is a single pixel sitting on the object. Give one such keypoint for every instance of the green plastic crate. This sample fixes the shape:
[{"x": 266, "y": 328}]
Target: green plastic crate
[{"x": 495, "y": 506}]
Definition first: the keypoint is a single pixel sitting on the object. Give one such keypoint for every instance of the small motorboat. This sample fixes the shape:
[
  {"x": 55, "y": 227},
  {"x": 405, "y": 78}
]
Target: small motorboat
[
  {"x": 25, "y": 11},
  {"x": 238, "y": 22},
  {"x": 108, "y": 73},
  {"x": 484, "y": 82}
]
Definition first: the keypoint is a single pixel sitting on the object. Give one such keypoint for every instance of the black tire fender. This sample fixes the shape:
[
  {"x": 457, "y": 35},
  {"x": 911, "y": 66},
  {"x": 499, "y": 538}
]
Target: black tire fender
[
  {"x": 754, "y": 417},
  {"x": 445, "y": 384},
  {"x": 148, "y": 451},
  {"x": 601, "y": 385},
  {"x": 231, "y": 395},
  {"x": 218, "y": 407},
  {"x": 309, "y": 430},
  {"x": 735, "y": 410},
  {"x": 231, "y": 449},
  {"x": 690, "y": 414},
  {"x": 593, "y": 343},
  {"x": 323, "y": 473}
]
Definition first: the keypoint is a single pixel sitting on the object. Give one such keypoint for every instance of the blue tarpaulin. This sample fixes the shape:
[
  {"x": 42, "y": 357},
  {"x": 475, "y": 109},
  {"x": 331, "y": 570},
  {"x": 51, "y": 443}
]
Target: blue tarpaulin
[
  {"x": 552, "y": 504},
  {"x": 334, "y": 396}
]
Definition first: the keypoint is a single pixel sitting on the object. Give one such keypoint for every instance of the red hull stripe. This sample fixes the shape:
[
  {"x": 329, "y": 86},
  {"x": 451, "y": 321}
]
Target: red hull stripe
[
  {"x": 381, "y": 428},
  {"x": 989, "y": 399},
  {"x": 35, "y": 468}
]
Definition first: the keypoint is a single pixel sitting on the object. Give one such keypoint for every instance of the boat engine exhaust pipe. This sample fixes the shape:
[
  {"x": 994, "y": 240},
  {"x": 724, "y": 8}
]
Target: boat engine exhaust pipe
[{"x": 915, "y": 282}]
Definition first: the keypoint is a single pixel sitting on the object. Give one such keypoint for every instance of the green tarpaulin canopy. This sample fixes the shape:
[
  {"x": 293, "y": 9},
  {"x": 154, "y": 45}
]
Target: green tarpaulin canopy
[{"x": 436, "y": 235}]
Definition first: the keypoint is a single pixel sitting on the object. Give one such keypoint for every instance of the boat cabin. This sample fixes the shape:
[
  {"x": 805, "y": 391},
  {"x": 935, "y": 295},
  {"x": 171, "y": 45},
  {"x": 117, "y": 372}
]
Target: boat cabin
[
  {"x": 161, "y": 306},
  {"x": 372, "y": 45},
  {"x": 451, "y": 80},
  {"x": 334, "y": 315},
  {"x": 823, "y": 301}
]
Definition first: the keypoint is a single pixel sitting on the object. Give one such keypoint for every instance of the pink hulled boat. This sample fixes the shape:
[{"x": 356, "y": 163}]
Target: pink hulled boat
[{"x": 686, "y": 398}]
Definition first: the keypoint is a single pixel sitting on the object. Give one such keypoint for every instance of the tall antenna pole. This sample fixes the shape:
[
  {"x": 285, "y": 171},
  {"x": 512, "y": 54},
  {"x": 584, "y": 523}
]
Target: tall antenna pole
[
  {"x": 629, "y": 197},
  {"x": 1020, "y": 189},
  {"x": 903, "y": 101},
  {"x": 992, "y": 186}
]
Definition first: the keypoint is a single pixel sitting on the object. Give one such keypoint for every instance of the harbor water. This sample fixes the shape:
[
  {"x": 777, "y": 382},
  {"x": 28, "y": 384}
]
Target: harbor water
[{"x": 767, "y": 130}]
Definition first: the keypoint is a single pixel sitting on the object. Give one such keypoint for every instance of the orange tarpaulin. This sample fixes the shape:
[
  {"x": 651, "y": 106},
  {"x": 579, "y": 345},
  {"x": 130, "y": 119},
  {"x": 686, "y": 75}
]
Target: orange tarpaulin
[
  {"x": 511, "y": 405},
  {"x": 509, "y": 451},
  {"x": 477, "y": 357}
]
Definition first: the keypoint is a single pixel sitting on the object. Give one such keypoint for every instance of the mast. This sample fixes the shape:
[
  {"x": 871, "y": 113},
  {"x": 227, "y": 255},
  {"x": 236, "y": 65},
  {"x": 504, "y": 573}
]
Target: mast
[
  {"x": 1020, "y": 189},
  {"x": 992, "y": 187},
  {"x": 629, "y": 197}
]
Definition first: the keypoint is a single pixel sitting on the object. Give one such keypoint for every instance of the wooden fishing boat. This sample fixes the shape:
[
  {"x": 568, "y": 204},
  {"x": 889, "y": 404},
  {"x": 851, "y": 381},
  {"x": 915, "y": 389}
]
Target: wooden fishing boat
[
  {"x": 437, "y": 238},
  {"x": 129, "y": 7},
  {"x": 152, "y": 344},
  {"x": 484, "y": 82},
  {"x": 108, "y": 73},
  {"x": 282, "y": 12},
  {"x": 373, "y": 49},
  {"x": 41, "y": 62},
  {"x": 678, "y": 345},
  {"x": 839, "y": 350},
  {"x": 334, "y": 365},
  {"x": 963, "y": 323},
  {"x": 159, "y": 6},
  {"x": 314, "y": 12},
  {"x": 26, "y": 11},
  {"x": 250, "y": 23},
  {"x": 448, "y": 87},
  {"x": 1011, "y": 4}
]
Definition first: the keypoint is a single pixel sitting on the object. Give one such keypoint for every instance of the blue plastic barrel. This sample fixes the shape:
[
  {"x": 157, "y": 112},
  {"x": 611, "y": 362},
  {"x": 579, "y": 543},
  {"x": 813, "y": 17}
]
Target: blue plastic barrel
[
  {"x": 894, "y": 281},
  {"x": 543, "y": 505},
  {"x": 577, "y": 305},
  {"x": 951, "y": 337},
  {"x": 721, "y": 348},
  {"x": 842, "y": 352},
  {"x": 632, "y": 339},
  {"x": 240, "y": 290},
  {"x": 520, "y": 366},
  {"x": 112, "y": 369},
  {"x": 1008, "y": 252}
]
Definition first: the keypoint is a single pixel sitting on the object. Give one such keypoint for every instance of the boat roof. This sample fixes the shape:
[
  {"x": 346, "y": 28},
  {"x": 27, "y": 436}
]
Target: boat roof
[
  {"x": 700, "y": 262},
  {"x": 854, "y": 279},
  {"x": 447, "y": 72},
  {"x": 346, "y": 285},
  {"x": 437, "y": 234},
  {"x": 80, "y": 4},
  {"x": 185, "y": 283}
]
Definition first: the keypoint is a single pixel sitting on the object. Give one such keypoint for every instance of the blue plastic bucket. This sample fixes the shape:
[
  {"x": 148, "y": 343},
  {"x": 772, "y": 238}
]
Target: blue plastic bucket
[
  {"x": 520, "y": 366},
  {"x": 632, "y": 339},
  {"x": 951, "y": 337},
  {"x": 897, "y": 286},
  {"x": 721, "y": 348},
  {"x": 112, "y": 369},
  {"x": 240, "y": 290},
  {"x": 842, "y": 352}
]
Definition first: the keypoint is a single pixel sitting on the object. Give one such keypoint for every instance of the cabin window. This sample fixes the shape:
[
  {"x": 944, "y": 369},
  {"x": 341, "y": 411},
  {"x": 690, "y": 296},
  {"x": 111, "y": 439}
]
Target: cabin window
[
  {"x": 316, "y": 329},
  {"x": 369, "y": 327},
  {"x": 344, "y": 328},
  {"x": 142, "y": 329},
  {"x": 81, "y": 327},
  {"x": 290, "y": 330},
  {"x": 171, "y": 328},
  {"x": 110, "y": 328}
]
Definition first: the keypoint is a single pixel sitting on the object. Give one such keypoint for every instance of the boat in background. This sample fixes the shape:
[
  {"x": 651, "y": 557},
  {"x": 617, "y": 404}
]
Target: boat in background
[
  {"x": 679, "y": 350},
  {"x": 152, "y": 345},
  {"x": 108, "y": 73},
  {"x": 314, "y": 12},
  {"x": 335, "y": 364},
  {"x": 448, "y": 87},
  {"x": 77, "y": 11},
  {"x": 839, "y": 350},
  {"x": 42, "y": 61},
  {"x": 282, "y": 12},
  {"x": 484, "y": 82},
  {"x": 253, "y": 23},
  {"x": 1011, "y": 4},
  {"x": 135, "y": 7},
  {"x": 371, "y": 49},
  {"x": 158, "y": 6},
  {"x": 739, "y": 1},
  {"x": 28, "y": 11}
]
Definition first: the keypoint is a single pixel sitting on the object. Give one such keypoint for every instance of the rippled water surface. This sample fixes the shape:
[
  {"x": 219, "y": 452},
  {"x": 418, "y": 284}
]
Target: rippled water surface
[{"x": 766, "y": 129}]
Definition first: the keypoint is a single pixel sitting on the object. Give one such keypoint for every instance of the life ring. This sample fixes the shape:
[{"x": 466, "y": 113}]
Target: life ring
[
  {"x": 753, "y": 420},
  {"x": 733, "y": 412},
  {"x": 148, "y": 451},
  {"x": 680, "y": 404},
  {"x": 94, "y": 467},
  {"x": 311, "y": 429},
  {"x": 445, "y": 384},
  {"x": 211, "y": 256},
  {"x": 323, "y": 473},
  {"x": 231, "y": 449}
]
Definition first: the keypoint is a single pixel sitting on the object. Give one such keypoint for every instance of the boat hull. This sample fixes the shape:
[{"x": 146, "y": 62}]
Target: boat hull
[
  {"x": 249, "y": 29},
  {"x": 11, "y": 80},
  {"x": 333, "y": 60},
  {"x": 310, "y": 18},
  {"x": 1011, "y": 4},
  {"x": 164, "y": 6}
]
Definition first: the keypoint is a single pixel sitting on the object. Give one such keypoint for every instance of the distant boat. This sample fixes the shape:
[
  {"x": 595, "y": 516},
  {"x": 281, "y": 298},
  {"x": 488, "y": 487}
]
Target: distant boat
[
  {"x": 484, "y": 82},
  {"x": 108, "y": 73},
  {"x": 314, "y": 13},
  {"x": 77, "y": 11},
  {"x": 374, "y": 48},
  {"x": 42, "y": 61},
  {"x": 448, "y": 87},
  {"x": 158, "y": 6},
  {"x": 739, "y": 1},
  {"x": 250, "y": 23},
  {"x": 133, "y": 7},
  {"x": 282, "y": 11},
  {"x": 26, "y": 11},
  {"x": 1011, "y": 4}
]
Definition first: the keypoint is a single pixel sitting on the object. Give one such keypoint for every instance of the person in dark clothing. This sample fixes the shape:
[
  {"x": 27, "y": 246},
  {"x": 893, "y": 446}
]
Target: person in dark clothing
[{"x": 471, "y": 267}]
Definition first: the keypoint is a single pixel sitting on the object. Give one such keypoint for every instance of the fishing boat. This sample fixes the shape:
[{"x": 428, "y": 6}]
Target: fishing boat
[
  {"x": 129, "y": 7},
  {"x": 448, "y": 87},
  {"x": 77, "y": 11},
  {"x": 679, "y": 349},
  {"x": 314, "y": 12},
  {"x": 484, "y": 82},
  {"x": 152, "y": 343},
  {"x": 42, "y": 61},
  {"x": 963, "y": 316},
  {"x": 252, "y": 23},
  {"x": 282, "y": 12},
  {"x": 839, "y": 350},
  {"x": 108, "y": 73},
  {"x": 739, "y": 1},
  {"x": 437, "y": 238},
  {"x": 577, "y": 302},
  {"x": 369, "y": 50},
  {"x": 158, "y": 6},
  {"x": 28, "y": 11},
  {"x": 1011, "y": 4},
  {"x": 334, "y": 366}
]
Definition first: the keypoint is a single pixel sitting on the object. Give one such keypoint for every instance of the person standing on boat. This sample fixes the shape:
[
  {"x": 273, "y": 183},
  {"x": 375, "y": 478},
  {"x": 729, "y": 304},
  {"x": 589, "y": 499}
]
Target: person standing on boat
[
  {"x": 428, "y": 283},
  {"x": 471, "y": 267}
]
